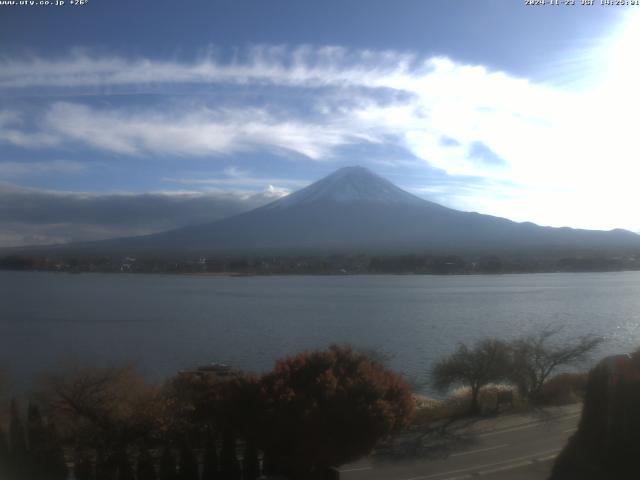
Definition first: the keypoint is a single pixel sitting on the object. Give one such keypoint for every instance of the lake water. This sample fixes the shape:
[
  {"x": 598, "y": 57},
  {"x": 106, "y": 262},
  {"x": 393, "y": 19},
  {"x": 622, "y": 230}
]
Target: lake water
[{"x": 168, "y": 322}]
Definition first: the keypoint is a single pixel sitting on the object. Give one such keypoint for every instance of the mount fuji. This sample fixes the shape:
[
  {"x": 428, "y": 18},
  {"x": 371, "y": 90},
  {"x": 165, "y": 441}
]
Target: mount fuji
[{"x": 355, "y": 210}]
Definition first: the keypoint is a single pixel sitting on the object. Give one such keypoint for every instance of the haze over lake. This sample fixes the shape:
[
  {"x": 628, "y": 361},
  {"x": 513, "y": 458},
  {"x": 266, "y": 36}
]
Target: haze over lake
[{"x": 168, "y": 322}]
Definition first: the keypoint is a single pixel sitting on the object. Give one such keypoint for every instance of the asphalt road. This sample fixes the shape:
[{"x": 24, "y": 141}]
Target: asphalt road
[{"x": 513, "y": 447}]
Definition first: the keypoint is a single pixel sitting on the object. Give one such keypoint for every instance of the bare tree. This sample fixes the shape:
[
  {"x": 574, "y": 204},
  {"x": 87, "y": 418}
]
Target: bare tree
[
  {"x": 536, "y": 357},
  {"x": 102, "y": 408},
  {"x": 476, "y": 366}
]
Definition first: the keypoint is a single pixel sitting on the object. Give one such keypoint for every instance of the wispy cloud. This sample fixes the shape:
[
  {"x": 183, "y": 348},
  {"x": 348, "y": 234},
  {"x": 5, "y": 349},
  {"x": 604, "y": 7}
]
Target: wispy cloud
[
  {"x": 198, "y": 132},
  {"x": 535, "y": 144},
  {"x": 439, "y": 99},
  {"x": 303, "y": 66},
  {"x": 14, "y": 132}
]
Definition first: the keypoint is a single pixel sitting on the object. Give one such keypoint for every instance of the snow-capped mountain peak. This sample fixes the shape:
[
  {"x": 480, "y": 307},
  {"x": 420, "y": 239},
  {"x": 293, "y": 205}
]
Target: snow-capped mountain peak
[{"x": 350, "y": 185}]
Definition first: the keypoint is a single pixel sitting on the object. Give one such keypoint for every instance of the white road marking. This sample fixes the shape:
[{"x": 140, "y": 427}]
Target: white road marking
[
  {"x": 548, "y": 457},
  {"x": 468, "y": 472},
  {"x": 475, "y": 468},
  {"x": 517, "y": 465},
  {"x": 524, "y": 427},
  {"x": 471, "y": 452},
  {"x": 505, "y": 468},
  {"x": 355, "y": 469}
]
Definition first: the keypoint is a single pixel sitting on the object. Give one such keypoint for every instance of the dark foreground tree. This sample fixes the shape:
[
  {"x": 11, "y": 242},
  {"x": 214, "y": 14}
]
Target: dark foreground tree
[
  {"x": 325, "y": 408},
  {"x": 106, "y": 465},
  {"x": 269, "y": 467},
  {"x": 125, "y": 470},
  {"x": 55, "y": 461},
  {"x": 250, "y": 462},
  {"x": 4, "y": 454},
  {"x": 188, "y": 463},
  {"x": 606, "y": 444},
  {"x": 535, "y": 358},
  {"x": 37, "y": 433},
  {"x": 18, "y": 463},
  {"x": 487, "y": 361},
  {"x": 210, "y": 461},
  {"x": 168, "y": 469},
  {"x": 46, "y": 457},
  {"x": 145, "y": 466},
  {"x": 229, "y": 465},
  {"x": 83, "y": 466}
]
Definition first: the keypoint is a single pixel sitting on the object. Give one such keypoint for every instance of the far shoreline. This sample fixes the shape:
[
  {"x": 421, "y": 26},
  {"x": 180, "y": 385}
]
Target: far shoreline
[{"x": 332, "y": 274}]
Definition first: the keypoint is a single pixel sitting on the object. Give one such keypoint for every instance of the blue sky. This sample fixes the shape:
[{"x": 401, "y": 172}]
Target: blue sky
[{"x": 113, "y": 111}]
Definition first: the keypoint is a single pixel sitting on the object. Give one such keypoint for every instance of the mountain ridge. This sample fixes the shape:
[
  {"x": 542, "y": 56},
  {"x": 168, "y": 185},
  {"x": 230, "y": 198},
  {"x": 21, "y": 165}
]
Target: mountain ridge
[{"x": 354, "y": 209}]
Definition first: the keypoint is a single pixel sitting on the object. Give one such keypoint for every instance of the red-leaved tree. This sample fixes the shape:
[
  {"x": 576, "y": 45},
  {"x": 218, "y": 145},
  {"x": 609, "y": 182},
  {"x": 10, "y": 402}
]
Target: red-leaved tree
[{"x": 325, "y": 408}]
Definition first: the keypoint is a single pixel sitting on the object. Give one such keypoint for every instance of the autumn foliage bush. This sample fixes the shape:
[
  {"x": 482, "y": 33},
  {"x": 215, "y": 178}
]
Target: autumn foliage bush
[
  {"x": 325, "y": 408},
  {"x": 315, "y": 410}
]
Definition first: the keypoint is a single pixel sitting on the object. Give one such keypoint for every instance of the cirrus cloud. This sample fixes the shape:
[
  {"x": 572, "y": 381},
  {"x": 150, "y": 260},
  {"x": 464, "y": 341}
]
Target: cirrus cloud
[
  {"x": 200, "y": 132},
  {"x": 543, "y": 150}
]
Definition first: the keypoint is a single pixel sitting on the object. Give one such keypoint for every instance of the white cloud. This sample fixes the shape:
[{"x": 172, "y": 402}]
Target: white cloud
[
  {"x": 303, "y": 66},
  {"x": 441, "y": 98},
  {"x": 12, "y": 132},
  {"x": 564, "y": 157},
  {"x": 200, "y": 132}
]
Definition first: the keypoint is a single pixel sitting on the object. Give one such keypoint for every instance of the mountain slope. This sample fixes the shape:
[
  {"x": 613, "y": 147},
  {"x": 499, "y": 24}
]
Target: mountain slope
[{"x": 354, "y": 209}]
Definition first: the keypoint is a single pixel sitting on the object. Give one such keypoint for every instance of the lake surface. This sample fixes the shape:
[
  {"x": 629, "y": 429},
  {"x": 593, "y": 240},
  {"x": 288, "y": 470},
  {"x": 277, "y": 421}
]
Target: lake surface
[{"x": 168, "y": 322}]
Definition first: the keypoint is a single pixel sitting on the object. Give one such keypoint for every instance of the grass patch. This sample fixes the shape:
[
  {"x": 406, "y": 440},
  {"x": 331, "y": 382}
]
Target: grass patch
[
  {"x": 562, "y": 389},
  {"x": 457, "y": 404}
]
